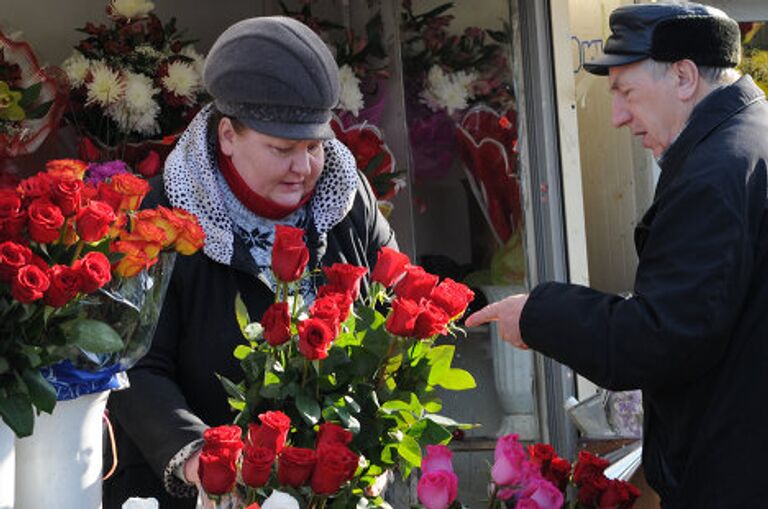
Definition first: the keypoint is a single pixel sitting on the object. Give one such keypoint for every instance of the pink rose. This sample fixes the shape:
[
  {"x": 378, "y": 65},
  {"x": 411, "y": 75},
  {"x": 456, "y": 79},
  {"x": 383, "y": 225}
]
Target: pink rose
[
  {"x": 544, "y": 493},
  {"x": 437, "y": 489},
  {"x": 511, "y": 466},
  {"x": 438, "y": 458}
]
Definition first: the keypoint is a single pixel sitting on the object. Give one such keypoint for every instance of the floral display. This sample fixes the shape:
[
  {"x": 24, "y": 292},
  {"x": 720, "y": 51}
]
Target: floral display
[
  {"x": 31, "y": 99},
  {"x": 754, "y": 60},
  {"x": 532, "y": 477},
  {"x": 63, "y": 240},
  {"x": 362, "y": 62},
  {"x": 340, "y": 390},
  {"x": 135, "y": 85},
  {"x": 373, "y": 156}
]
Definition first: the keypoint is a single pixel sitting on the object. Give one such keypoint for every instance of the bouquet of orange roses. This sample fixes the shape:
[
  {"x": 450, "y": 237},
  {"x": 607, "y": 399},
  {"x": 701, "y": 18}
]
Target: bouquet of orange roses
[
  {"x": 339, "y": 391},
  {"x": 69, "y": 250}
]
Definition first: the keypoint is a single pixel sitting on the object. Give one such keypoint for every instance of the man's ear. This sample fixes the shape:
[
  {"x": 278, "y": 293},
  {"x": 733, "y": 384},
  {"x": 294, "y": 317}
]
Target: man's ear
[
  {"x": 227, "y": 135},
  {"x": 688, "y": 78}
]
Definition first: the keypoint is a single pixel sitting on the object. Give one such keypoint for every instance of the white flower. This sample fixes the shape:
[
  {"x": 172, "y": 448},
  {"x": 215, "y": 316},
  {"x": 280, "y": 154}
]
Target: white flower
[
  {"x": 141, "y": 503},
  {"x": 350, "y": 96},
  {"x": 198, "y": 60},
  {"x": 447, "y": 91},
  {"x": 138, "y": 110},
  {"x": 131, "y": 9},
  {"x": 76, "y": 67},
  {"x": 280, "y": 500},
  {"x": 182, "y": 80},
  {"x": 105, "y": 85}
]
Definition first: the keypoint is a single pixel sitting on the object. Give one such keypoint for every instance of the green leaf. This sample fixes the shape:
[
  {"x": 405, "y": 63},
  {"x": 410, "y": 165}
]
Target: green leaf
[
  {"x": 448, "y": 422},
  {"x": 29, "y": 95},
  {"x": 242, "y": 351},
  {"x": 42, "y": 394},
  {"x": 409, "y": 450},
  {"x": 231, "y": 388},
  {"x": 308, "y": 408},
  {"x": 428, "y": 432},
  {"x": 16, "y": 411},
  {"x": 441, "y": 373},
  {"x": 92, "y": 335},
  {"x": 241, "y": 313},
  {"x": 4, "y": 365},
  {"x": 236, "y": 405}
]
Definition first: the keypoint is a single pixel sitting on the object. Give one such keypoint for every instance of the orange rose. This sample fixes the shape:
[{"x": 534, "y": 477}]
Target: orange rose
[
  {"x": 132, "y": 190},
  {"x": 135, "y": 258},
  {"x": 146, "y": 236},
  {"x": 66, "y": 168},
  {"x": 164, "y": 219},
  {"x": 191, "y": 235}
]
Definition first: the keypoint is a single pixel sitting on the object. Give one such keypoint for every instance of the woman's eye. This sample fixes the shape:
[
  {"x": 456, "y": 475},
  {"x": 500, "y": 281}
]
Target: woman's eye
[{"x": 282, "y": 150}]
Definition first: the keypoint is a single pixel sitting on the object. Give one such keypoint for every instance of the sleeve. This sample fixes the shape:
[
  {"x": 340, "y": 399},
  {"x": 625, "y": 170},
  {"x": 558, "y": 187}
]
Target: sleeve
[
  {"x": 692, "y": 277},
  {"x": 153, "y": 411}
]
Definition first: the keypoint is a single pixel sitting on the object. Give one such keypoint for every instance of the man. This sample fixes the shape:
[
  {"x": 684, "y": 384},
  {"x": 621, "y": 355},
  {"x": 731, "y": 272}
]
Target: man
[{"x": 694, "y": 335}]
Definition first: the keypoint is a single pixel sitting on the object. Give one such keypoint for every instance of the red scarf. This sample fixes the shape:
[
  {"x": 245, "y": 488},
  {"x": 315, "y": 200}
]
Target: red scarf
[{"x": 259, "y": 205}]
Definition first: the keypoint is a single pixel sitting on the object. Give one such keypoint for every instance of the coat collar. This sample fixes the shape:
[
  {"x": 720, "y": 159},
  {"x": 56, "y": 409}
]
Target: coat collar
[{"x": 712, "y": 111}]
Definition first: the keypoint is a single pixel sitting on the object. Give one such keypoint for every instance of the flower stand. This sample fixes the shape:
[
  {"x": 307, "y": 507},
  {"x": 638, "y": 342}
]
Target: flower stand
[
  {"x": 7, "y": 466},
  {"x": 60, "y": 464}
]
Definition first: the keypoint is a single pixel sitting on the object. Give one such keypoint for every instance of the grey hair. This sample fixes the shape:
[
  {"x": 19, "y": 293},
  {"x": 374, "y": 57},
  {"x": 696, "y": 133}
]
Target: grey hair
[{"x": 715, "y": 76}]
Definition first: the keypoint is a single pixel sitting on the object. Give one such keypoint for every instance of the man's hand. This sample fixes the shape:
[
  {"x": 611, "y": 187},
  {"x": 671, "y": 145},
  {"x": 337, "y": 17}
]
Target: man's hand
[{"x": 507, "y": 313}]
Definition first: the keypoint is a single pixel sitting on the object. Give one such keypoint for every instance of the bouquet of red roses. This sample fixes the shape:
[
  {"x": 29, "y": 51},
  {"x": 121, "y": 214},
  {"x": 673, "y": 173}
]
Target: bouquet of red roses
[
  {"x": 528, "y": 478},
  {"x": 353, "y": 378},
  {"x": 63, "y": 243}
]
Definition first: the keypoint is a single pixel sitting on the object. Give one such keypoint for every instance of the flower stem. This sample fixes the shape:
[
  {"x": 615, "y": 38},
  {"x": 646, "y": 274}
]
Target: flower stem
[
  {"x": 78, "y": 250},
  {"x": 492, "y": 501}
]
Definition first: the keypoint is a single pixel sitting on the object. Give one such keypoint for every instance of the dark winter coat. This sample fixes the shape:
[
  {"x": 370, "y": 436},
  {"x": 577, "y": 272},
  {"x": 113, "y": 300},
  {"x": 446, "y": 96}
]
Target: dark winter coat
[
  {"x": 174, "y": 392},
  {"x": 694, "y": 337}
]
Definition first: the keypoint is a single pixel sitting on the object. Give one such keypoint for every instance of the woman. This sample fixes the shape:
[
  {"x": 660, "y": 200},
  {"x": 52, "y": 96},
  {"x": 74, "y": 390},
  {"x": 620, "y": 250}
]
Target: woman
[{"x": 262, "y": 154}]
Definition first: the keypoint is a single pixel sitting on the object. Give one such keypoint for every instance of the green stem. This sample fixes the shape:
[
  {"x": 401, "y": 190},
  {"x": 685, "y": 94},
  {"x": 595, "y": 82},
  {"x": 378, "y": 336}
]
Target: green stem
[
  {"x": 295, "y": 301},
  {"x": 492, "y": 501},
  {"x": 390, "y": 352},
  {"x": 304, "y": 375},
  {"x": 78, "y": 250}
]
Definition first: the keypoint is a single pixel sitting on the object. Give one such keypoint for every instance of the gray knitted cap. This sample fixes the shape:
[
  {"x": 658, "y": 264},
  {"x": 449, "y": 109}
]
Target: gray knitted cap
[{"x": 276, "y": 76}]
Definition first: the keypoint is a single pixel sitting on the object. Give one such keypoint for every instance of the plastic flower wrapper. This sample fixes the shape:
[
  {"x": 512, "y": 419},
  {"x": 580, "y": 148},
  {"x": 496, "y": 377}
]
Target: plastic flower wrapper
[
  {"x": 82, "y": 269},
  {"x": 352, "y": 376}
]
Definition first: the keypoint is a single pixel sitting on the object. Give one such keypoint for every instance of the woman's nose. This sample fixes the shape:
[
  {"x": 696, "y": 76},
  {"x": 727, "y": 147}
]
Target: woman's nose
[{"x": 302, "y": 163}]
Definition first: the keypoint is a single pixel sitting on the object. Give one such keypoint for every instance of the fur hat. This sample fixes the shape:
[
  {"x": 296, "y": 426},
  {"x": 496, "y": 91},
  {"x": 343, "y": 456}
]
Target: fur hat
[
  {"x": 275, "y": 75},
  {"x": 668, "y": 33}
]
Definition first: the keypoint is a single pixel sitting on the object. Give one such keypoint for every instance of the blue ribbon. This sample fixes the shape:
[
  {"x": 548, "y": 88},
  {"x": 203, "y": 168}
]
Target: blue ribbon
[{"x": 71, "y": 382}]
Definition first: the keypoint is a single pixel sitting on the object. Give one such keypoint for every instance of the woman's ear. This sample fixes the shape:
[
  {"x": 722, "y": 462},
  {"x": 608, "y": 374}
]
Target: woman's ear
[
  {"x": 688, "y": 79},
  {"x": 227, "y": 136}
]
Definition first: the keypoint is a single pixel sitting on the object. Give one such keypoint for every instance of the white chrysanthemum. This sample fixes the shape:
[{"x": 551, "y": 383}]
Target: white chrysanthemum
[
  {"x": 280, "y": 500},
  {"x": 138, "y": 110},
  {"x": 132, "y": 9},
  {"x": 198, "y": 60},
  {"x": 350, "y": 96},
  {"x": 76, "y": 67},
  {"x": 182, "y": 80},
  {"x": 105, "y": 86},
  {"x": 447, "y": 91}
]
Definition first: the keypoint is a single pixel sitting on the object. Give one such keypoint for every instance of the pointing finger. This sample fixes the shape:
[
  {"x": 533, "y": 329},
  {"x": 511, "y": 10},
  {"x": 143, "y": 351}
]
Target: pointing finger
[{"x": 488, "y": 314}]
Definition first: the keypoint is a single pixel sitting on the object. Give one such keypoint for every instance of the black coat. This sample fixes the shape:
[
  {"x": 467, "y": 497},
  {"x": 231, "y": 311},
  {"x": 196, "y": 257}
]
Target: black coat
[
  {"x": 174, "y": 394},
  {"x": 694, "y": 337}
]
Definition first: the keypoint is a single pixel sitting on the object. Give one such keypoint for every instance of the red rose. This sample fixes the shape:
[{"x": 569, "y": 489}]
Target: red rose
[
  {"x": 431, "y": 321},
  {"x": 389, "y": 266},
  {"x": 13, "y": 256},
  {"x": 402, "y": 318},
  {"x": 343, "y": 301},
  {"x": 453, "y": 297},
  {"x": 12, "y": 218},
  {"x": 289, "y": 253},
  {"x": 315, "y": 338},
  {"x": 218, "y": 470},
  {"x": 272, "y": 432},
  {"x": 330, "y": 433},
  {"x": 345, "y": 278},
  {"x": 619, "y": 494},
  {"x": 326, "y": 309},
  {"x": 558, "y": 473},
  {"x": 66, "y": 193},
  {"x": 541, "y": 454},
  {"x": 591, "y": 490},
  {"x": 94, "y": 270},
  {"x": 65, "y": 284},
  {"x": 417, "y": 283},
  {"x": 227, "y": 436},
  {"x": 277, "y": 323},
  {"x": 150, "y": 165},
  {"x": 257, "y": 465},
  {"x": 45, "y": 220},
  {"x": 29, "y": 284},
  {"x": 93, "y": 221},
  {"x": 38, "y": 186},
  {"x": 588, "y": 466},
  {"x": 109, "y": 196},
  {"x": 335, "y": 465},
  {"x": 295, "y": 465}
]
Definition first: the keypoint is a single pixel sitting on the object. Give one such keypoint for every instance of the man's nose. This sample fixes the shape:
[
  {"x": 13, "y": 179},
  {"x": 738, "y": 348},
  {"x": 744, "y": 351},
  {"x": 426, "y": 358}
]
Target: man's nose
[{"x": 620, "y": 115}]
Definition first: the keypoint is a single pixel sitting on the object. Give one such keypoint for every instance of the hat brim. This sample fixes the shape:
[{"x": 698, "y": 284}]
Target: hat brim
[
  {"x": 291, "y": 130},
  {"x": 601, "y": 64}
]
